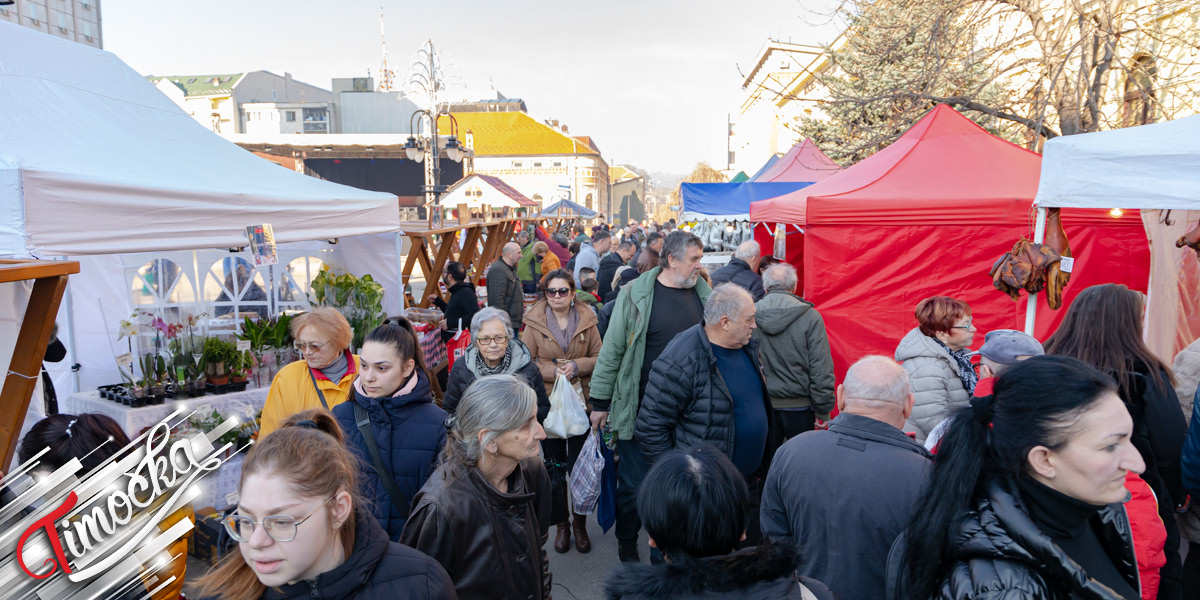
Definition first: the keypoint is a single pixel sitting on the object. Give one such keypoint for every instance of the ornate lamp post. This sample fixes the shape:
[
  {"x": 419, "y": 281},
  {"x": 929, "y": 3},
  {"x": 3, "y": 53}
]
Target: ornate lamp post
[{"x": 417, "y": 150}]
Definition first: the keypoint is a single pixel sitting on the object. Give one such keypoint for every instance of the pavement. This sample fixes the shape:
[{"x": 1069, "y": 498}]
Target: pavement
[{"x": 576, "y": 576}]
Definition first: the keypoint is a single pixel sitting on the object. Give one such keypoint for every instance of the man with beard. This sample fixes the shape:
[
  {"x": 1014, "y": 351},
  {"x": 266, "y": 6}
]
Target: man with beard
[{"x": 648, "y": 314}]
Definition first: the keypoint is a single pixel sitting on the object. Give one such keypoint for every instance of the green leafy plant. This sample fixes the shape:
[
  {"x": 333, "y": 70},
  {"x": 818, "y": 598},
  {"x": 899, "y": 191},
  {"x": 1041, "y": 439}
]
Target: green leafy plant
[
  {"x": 218, "y": 352},
  {"x": 256, "y": 333},
  {"x": 359, "y": 299},
  {"x": 279, "y": 333}
]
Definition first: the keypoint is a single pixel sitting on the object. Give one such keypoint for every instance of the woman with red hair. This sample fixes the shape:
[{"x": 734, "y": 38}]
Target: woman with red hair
[{"x": 935, "y": 355}]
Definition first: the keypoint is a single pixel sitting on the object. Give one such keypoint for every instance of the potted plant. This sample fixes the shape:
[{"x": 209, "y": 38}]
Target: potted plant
[
  {"x": 359, "y": 299},
  {"x": 279, "y": 338},
  {"x": 256, "y": 332},
  {"x": 219, "y": 355}
]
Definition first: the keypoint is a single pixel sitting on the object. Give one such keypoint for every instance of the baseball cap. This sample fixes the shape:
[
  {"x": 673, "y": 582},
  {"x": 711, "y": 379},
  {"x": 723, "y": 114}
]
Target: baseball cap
[{"x": 1005, "y": 345}]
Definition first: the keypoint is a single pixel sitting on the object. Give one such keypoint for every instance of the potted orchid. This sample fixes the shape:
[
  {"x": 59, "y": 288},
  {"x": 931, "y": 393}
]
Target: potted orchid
[{"x": 155, "y": 374}]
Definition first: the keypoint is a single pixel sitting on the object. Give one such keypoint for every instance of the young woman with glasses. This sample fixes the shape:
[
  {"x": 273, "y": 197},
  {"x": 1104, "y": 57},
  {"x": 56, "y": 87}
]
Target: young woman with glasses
[
  {"x": 935, "y": 355},
  {"x": 324, "y": 375},
  {"x": 303, "y": 531},
  {"x": 494, "y": 351},
  {"x": 562, "y": 339}
]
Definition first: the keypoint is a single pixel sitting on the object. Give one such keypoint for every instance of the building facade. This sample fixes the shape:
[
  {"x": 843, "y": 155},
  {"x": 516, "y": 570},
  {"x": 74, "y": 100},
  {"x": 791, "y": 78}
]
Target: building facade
[
  {"x": 258, "y": 101},
  {"x": 75, "y": 20}
]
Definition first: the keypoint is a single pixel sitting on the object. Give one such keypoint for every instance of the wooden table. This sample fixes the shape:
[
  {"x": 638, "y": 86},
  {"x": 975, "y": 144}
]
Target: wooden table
[{"x": 432, "y": 248}]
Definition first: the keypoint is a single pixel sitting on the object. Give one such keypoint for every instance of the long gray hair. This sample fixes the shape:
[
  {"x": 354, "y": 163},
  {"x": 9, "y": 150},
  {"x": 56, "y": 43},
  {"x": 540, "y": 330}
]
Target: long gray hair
[{"x": 497, "y": 403}]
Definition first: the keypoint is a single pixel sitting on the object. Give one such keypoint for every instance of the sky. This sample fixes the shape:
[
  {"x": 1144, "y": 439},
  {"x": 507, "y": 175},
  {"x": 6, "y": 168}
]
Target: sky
[{"x": 651, "y": 81}]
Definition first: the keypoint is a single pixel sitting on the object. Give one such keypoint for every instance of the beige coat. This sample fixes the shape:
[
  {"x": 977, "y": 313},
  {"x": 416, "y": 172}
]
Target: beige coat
[{"x": 543, "y": 348}]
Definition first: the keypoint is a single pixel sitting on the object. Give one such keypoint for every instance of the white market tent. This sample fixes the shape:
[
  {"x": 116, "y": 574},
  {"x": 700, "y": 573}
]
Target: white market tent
[
  {"x": 1154, "y": 168},
  {"x": 97, "y": 164}
]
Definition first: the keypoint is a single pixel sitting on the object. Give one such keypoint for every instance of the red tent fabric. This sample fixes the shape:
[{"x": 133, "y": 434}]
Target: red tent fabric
[
  {"x": 804, "y": 162},
  {"x": 927, "y": 216}
]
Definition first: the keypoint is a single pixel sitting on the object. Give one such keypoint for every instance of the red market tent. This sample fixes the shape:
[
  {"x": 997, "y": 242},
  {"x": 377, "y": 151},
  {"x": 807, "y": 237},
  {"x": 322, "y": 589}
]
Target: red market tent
[{"x": 929, "y": 215}]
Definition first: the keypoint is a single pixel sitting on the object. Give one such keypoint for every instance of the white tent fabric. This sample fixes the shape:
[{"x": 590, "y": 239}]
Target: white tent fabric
[
  {"x": 96, "y": 160},
  {"x": 1146, "y": 167}
]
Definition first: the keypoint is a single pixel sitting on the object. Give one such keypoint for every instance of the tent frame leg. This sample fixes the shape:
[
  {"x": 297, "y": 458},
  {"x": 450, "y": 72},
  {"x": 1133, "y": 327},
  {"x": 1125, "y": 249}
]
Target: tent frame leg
[{"x": 1039, "y": 235}]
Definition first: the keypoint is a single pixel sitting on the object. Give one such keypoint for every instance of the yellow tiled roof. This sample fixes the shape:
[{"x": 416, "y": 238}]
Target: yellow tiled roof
[
  {"x": 620, "y": 173},
  {"x": 512, "y": 134}
]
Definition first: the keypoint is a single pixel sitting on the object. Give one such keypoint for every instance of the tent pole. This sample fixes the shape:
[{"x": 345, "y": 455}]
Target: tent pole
[
  {"x": 1039, "y": 235},
  {"x": 400, "y": 267}
]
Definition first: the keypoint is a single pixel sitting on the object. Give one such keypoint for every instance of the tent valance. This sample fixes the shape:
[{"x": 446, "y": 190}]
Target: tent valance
[{"x": 728, "y": 201}]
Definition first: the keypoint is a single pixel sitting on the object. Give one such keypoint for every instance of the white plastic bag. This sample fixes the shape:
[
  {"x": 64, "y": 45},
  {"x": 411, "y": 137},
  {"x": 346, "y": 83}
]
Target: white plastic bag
[
  {"x": 567, "y": 417},
  {"x": 586, "y": 476}
]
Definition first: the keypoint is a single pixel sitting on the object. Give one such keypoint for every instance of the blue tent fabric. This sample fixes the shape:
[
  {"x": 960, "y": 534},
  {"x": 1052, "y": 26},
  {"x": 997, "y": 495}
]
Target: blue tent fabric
[
  {"x": 729, "y": 201},
  {"x": 766, "y": 167},
  {"x": 566, "y": 208}
]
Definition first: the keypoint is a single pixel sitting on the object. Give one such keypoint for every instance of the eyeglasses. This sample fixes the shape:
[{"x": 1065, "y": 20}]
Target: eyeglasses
[
  {"x": 970, "y": 324},
  {"x": 315, "y": 347},
  {"x": 488, "y": 341},
  {"x": 558, "y": 291},
  {"x": 281, "y": 528}
]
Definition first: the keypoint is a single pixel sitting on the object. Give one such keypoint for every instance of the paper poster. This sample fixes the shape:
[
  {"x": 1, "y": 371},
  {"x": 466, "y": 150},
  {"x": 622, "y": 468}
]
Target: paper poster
[{"x": 262, "y": 244}]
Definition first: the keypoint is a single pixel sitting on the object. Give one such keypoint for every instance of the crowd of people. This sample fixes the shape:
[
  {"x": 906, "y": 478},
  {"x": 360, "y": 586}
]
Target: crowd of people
[{"x": 1053, "y": 470}]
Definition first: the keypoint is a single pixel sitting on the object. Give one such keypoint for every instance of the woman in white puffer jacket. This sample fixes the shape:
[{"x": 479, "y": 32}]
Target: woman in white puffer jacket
[{"x": 935, "y": 356}]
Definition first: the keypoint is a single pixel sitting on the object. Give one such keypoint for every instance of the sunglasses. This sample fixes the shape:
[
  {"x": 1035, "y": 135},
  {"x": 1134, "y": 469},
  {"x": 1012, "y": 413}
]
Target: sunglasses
[{"x": 558, "y": 291}]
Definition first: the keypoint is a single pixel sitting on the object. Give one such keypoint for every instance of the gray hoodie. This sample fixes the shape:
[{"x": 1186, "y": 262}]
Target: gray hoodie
[{"x": 795, "y": 355}]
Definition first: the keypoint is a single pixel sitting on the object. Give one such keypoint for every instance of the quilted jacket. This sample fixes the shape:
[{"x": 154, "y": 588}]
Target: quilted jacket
[{"x": 935, "y": 383}]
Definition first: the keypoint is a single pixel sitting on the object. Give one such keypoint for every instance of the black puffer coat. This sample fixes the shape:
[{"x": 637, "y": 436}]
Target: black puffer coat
[
  {"x": 767, "y": 571},
  {"x": 1001, "y": 553},
  {"x": 687, "y": 402},
  {"x": 490, "y": 542},
  {"x": 738, "y": 271},
  {"x": 376, "y": 570}
]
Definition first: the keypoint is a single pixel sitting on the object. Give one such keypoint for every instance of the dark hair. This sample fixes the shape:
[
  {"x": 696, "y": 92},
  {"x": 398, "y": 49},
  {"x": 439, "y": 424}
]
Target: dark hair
[
  {"x": 589, "y": 285},
  {"x": 653, "y": 235},
  {"x": 573, "y": 248},
  {"x": 600, "y": 235},
  {"x": 400, "y": 334},
  {"x": 1036, "y": 403},
  {"x": 626, "y": 244},
  {"x": 694, "y": 503},
  {"x": 1103, "y": 327},
  {"x": 939, "y": 313},
  {"x": 309, "y": 450},
  {"x": 557, "y": 274},
  {"x": 456, "y": 270},
  {"x": 92, "y": 438},
  {"x": 675, "y": 246}
]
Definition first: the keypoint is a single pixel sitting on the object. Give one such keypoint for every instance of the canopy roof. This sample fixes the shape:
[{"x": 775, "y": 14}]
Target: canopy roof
[
  {"x": 96, "y": 160},
  {"x": 766, "y": 166},
  {"x": 804, "y": 162},
  {"x": 475, "y": 190},
  {"x": 741, "y": 177},
  {"x": 566, "y": 208},
  {"x": 727, "y": 201},
  {"x": 945, "y": 169},
  {"x": 1146, "y": 167}
]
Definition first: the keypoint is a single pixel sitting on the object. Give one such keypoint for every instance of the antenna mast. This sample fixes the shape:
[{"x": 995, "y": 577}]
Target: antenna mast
[{"x": 386, "y": 76}]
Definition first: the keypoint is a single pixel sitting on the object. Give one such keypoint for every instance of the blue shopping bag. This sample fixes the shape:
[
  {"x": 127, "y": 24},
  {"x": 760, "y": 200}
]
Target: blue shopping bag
[{"x": 606, "y": 512}]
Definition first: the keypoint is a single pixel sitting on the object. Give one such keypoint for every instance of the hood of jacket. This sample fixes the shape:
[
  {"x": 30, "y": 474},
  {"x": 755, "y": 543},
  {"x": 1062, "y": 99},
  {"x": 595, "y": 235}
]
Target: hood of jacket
[
  {"x": 778, "y": 310},
  {"x": 916, "y": 344},
  {"x": 750, "y": 573},
  {"x": 345, "y": 581},
  {"x": 520, "y": 357},
  {"x": 535, "y": 318},
  {"x": 999, "y": 529},
  {"x": 379, "y": 408}
]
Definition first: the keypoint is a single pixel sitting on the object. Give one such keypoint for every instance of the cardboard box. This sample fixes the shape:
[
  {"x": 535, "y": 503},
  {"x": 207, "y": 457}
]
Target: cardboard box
[{"x": 205, "y": 543}]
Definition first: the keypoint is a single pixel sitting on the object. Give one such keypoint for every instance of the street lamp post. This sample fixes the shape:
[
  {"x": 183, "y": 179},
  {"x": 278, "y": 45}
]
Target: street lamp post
[{"x": 416, "y": 149}]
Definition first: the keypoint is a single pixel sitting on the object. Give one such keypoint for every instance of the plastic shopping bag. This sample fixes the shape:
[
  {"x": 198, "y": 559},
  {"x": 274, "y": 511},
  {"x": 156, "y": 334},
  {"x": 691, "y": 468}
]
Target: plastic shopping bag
[
  {"x": 457, "y": 346},
  {"x": 567, "y": 416},
  {"x": 586, "y": 476}
]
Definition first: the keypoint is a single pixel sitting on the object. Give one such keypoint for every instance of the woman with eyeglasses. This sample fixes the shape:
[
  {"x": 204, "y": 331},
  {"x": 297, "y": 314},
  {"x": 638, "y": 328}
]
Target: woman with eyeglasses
[
  {"x": 494, "y": 351},
  {"x": 304, "y": 532},
  {"x": 563, "y": 339},
  {"x": 483, "y": 514},
  {"x": 393, "y": 401},
  {"x": 322, "y": 379},
  {"x": 935, "y": 355}
]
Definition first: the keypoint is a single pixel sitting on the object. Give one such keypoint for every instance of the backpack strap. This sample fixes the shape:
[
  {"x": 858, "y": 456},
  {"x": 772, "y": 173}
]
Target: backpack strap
[{"x": 363, "y": 420}]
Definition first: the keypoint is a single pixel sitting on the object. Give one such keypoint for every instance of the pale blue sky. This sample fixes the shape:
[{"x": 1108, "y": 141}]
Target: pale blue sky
[{"x": 650, "y": 81}]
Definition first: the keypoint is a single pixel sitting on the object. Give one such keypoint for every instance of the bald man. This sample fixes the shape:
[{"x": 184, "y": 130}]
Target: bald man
[
  {"x": 504, "y": 286},
  {"x": 842, "y": 496}
]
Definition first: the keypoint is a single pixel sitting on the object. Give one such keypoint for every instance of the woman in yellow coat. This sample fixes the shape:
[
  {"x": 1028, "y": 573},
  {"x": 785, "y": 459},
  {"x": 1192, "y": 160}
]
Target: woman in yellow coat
[
  {"x": 548, "y": 259},
  {"x": 322, "y": 379}
]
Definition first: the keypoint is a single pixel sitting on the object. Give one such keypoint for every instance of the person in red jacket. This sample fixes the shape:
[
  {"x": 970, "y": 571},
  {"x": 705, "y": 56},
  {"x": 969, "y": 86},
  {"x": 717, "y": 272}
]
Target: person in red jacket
[{"x": 1149, "y": 533}]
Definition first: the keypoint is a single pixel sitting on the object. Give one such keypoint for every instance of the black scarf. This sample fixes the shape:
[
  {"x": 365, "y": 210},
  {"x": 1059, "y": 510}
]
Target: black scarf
[
  {"x": 482, "y": 367},
  {"x": 966, "y": 371}
]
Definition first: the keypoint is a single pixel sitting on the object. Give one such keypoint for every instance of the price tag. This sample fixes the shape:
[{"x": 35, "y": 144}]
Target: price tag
[
  {"x": 125, "y": 360},
  {"x": 232, "y": 498},
  {"x": 1066, "y": 264},
  {"x": 242, "y": 345}
]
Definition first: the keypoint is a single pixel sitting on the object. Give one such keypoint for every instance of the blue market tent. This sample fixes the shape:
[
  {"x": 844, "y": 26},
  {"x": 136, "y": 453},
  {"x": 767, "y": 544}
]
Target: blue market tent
[
  {"x": 568, "y": 209},
  {"x": 728, "y": 201}
]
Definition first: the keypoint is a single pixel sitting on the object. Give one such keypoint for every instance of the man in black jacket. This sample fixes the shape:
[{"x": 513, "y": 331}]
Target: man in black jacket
[
  {"x": 610, "y": 263},
  {"x": 463, "y": 302},
  {"x": 743, "y": 270},
  {"x": 842, "y": 496},
  {"x": 707, "y": 386}
]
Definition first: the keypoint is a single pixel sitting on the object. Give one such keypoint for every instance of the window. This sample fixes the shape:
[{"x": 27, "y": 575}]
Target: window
[
  {"x": 290, "y": 116},
  {"x": 34, "y": 12},
  {"x": 588, "y": 201},
  {"x": 558, "y": 163},
  {"x": 295, "y": 282},
  {"x": 160, "y": 283},
  {"x": 233, "y": 287},
  {"x": 1140, "y": 101},
  {"x": 517, "y": 164},
  {"x": 192, "y": 80},
  {"x": 537, "y": 164}
]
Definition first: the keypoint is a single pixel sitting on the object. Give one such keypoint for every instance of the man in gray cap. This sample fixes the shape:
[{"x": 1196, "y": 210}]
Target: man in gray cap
[{"x": 1003, "y": 348}]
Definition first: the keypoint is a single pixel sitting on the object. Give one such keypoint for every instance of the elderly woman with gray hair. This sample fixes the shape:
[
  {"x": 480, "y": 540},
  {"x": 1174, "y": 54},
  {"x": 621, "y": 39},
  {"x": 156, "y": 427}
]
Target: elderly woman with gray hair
[
  {"x": 484, "y": 512},
  {"x": 494, "y": 351}
]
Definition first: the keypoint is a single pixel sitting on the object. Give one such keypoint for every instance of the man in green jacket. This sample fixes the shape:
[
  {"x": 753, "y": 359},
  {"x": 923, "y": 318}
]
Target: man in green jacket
[
  {"x": 648, "y": 314},
  {"x": 794, "y": 350},
  {"x": 528, "y": 268}
]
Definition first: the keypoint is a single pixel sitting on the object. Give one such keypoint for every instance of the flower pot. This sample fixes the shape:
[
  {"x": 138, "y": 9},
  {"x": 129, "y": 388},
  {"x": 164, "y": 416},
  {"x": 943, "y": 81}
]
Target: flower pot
[
  {"x": 218, "y": 381},
  {"x": 195, "y": 388}
]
